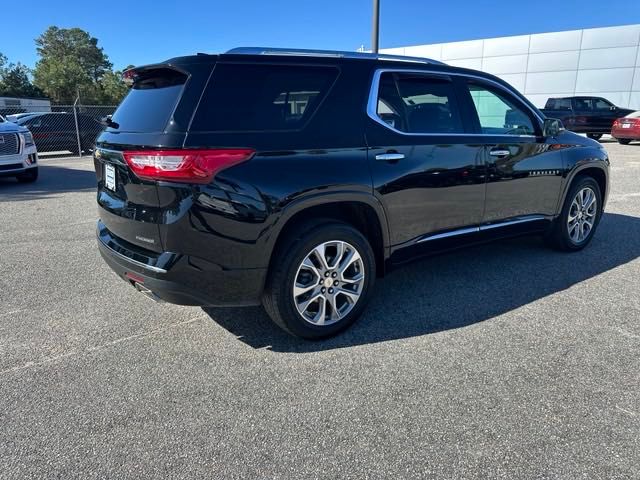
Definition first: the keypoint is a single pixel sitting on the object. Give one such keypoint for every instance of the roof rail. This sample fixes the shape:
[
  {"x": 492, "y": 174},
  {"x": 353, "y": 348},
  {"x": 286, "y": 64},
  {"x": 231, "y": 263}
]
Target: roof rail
[{"x": 328, "y": 53}]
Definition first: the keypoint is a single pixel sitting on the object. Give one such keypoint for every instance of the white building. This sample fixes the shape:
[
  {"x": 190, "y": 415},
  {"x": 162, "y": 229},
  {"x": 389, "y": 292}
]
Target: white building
[
  {"x": 602, "y": 62},
  {"x": 24, "y": 104}
]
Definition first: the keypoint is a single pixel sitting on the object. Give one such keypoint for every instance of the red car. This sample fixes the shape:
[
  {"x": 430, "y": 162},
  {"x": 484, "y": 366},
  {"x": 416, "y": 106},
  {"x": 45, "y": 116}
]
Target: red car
[{"x": 627, "y": 128}]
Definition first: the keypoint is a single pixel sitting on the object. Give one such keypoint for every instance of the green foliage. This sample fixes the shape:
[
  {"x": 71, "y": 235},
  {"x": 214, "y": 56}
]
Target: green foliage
[
  {"x": 113, "y": 89},
  {"x": 71, "y": 64},
  {"x": 14, "y": 80}
]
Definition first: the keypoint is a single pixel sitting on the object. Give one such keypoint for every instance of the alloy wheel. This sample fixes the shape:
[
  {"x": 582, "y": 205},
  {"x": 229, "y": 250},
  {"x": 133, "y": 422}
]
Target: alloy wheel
[
  {"x": 328, "y": 282},
  {"x": 582, "y": 215}
]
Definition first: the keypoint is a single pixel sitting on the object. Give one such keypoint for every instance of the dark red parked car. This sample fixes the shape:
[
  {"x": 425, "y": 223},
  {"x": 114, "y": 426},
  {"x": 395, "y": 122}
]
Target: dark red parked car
[{"x": 627, "y": 129}]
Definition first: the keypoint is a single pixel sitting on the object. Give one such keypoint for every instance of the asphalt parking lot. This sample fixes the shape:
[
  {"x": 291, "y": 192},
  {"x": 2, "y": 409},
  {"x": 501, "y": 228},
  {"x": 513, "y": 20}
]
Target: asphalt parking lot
[{"x": 502, "y": 361}]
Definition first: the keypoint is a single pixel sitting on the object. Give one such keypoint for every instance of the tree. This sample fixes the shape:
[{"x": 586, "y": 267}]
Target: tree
[
  {"x": 15, "y": 81},
  {"x": 113, "y": 89},
  {"x": 70, "y": 63}
]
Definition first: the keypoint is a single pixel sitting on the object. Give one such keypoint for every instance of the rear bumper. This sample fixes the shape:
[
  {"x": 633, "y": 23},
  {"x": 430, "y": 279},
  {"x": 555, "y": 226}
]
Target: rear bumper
[
  {"x": 180, "y": 279},
  {"x": 626, "y": 133}
]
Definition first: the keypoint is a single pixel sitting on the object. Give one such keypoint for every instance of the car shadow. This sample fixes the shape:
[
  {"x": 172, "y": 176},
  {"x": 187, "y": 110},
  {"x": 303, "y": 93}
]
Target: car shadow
[
  {"x": 52, "y": 179},
  {"x": 455, "y": 290}
]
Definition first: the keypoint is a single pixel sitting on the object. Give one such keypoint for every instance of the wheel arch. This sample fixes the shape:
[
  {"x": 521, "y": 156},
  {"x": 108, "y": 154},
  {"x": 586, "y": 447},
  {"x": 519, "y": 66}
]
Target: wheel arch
[
  {"x": 597, "y": 169},
  {"x": 360, "y": 210}
]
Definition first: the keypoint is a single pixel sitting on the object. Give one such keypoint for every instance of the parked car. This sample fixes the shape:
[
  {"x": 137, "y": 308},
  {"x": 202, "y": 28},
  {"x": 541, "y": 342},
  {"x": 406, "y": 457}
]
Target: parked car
[
  {"x": 17, "y": 116},
  {"x": 627, "y": 129},
  {"x": 18, "y": 156},
  {"x": 294, "y": 179},
  {"x": 56, "y": 131},
  {"x": 591, "y": 115}
]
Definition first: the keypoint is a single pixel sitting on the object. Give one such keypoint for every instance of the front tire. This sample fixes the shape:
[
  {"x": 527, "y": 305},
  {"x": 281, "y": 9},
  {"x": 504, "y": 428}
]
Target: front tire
[
  {"x": 577, "y": 223},
  {"x": 321, "y": 279},
  {"x": 28, "y": 176},
  {"x": 624, "y": 141},
  {"x": 594, "y": 136}
]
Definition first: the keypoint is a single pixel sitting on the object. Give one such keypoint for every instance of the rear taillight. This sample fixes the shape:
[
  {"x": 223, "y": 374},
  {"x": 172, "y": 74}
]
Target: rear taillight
[{"x": 190, "y": 166}]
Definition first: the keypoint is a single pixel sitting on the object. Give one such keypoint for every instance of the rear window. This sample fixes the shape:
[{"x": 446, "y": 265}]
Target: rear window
[
  {"x": 151, "y": 101},
  {"x": 243, "y": 97}
]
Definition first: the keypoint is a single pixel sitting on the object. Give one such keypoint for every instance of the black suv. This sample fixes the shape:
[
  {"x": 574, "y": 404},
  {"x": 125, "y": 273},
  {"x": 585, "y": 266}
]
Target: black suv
[
  {"x": 54, "y": 131},
  {"x": 294, "y": 178},
  {"x": 591, "y": 115}
]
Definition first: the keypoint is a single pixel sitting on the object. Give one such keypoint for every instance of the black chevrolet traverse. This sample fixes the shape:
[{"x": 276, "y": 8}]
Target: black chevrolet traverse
[{"x": 293, "y": 179}]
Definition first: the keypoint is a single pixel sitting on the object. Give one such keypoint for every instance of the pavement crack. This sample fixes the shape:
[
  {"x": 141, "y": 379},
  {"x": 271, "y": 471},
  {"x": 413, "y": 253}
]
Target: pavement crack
[
  {"x": 633, "y": 414},
  {"x": 103, "y": 346}
]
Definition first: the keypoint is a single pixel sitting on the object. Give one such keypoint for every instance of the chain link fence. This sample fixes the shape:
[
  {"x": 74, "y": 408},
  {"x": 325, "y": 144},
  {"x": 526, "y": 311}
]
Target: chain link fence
[{"x": 61, "y": 129}]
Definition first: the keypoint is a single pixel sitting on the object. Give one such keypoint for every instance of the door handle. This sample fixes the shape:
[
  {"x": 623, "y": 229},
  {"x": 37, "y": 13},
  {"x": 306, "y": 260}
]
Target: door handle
[
  {"x": 390, "y": 157},
  {"x": 499, "y": 153}
]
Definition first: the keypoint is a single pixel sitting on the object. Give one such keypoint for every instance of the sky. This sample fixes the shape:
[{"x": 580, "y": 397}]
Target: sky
[{"x": 142, "y": 31}]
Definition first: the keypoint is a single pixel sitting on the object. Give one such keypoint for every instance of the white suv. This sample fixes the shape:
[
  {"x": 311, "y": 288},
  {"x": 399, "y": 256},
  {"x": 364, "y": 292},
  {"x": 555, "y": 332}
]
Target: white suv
[{"x": 18, "y": 155}]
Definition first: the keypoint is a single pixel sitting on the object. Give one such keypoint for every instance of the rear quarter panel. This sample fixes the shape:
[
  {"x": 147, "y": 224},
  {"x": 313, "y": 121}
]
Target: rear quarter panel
[{"x": 235, "y": 220}]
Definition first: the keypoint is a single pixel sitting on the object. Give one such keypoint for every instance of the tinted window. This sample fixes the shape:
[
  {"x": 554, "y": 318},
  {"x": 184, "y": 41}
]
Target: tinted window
[
  {"x": 151, "y": 101},
  {"x": 582, "y": 104},
  {"x": 38, "y": 121},
  {"x": 390, "y": 106},
  {"x": 418, "y": 104},
  {"x": 560, "y": 104},
  {"x": 262, "y": 97},
  {"x": 499, "y": 115},
  {"x": 601, "y": 105}
]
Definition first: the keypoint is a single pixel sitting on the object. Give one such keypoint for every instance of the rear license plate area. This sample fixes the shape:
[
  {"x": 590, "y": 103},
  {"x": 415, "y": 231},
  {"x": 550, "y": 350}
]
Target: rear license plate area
[{"x": 110, "y": 177}]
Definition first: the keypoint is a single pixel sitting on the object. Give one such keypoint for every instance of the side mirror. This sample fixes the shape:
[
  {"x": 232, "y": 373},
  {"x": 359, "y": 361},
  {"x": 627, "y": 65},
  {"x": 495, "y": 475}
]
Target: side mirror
[
  {"x": 552, "y": 127},
  {"x": 613, "y": 108}
]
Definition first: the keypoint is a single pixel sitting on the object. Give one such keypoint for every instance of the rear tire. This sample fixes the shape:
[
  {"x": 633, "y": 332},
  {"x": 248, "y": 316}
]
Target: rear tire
[
  {"x": 594, "y": 136},
  {"x": 312, "y": 298},
  {"x": 577, "y": 223},
  {"x": 624, "y": 141},
  {"x": 29, "y": 176}
]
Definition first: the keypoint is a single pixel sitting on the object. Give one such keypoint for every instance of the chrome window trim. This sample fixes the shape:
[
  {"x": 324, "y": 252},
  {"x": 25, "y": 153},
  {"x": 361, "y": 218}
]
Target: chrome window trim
[
  {"x": 372, "y": 103},
  {"x": 481, "y": 228}
]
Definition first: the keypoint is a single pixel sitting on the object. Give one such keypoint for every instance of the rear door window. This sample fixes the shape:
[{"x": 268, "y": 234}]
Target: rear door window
[
  {"x": 151, "y": 101},
  {"x": 560, "y": 104},
  {"x": 582, "y": 104},
  {"x": 245, "y": 97},
  {"x": 419, "y": 104}
]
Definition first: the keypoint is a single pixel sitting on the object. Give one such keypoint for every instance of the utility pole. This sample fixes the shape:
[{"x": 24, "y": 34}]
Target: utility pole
[{"x": 375, "y": 35}]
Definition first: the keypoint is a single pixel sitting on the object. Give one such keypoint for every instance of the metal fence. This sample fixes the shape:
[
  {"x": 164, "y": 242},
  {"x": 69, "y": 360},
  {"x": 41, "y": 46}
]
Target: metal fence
[{"x": 60, "y": 129}]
